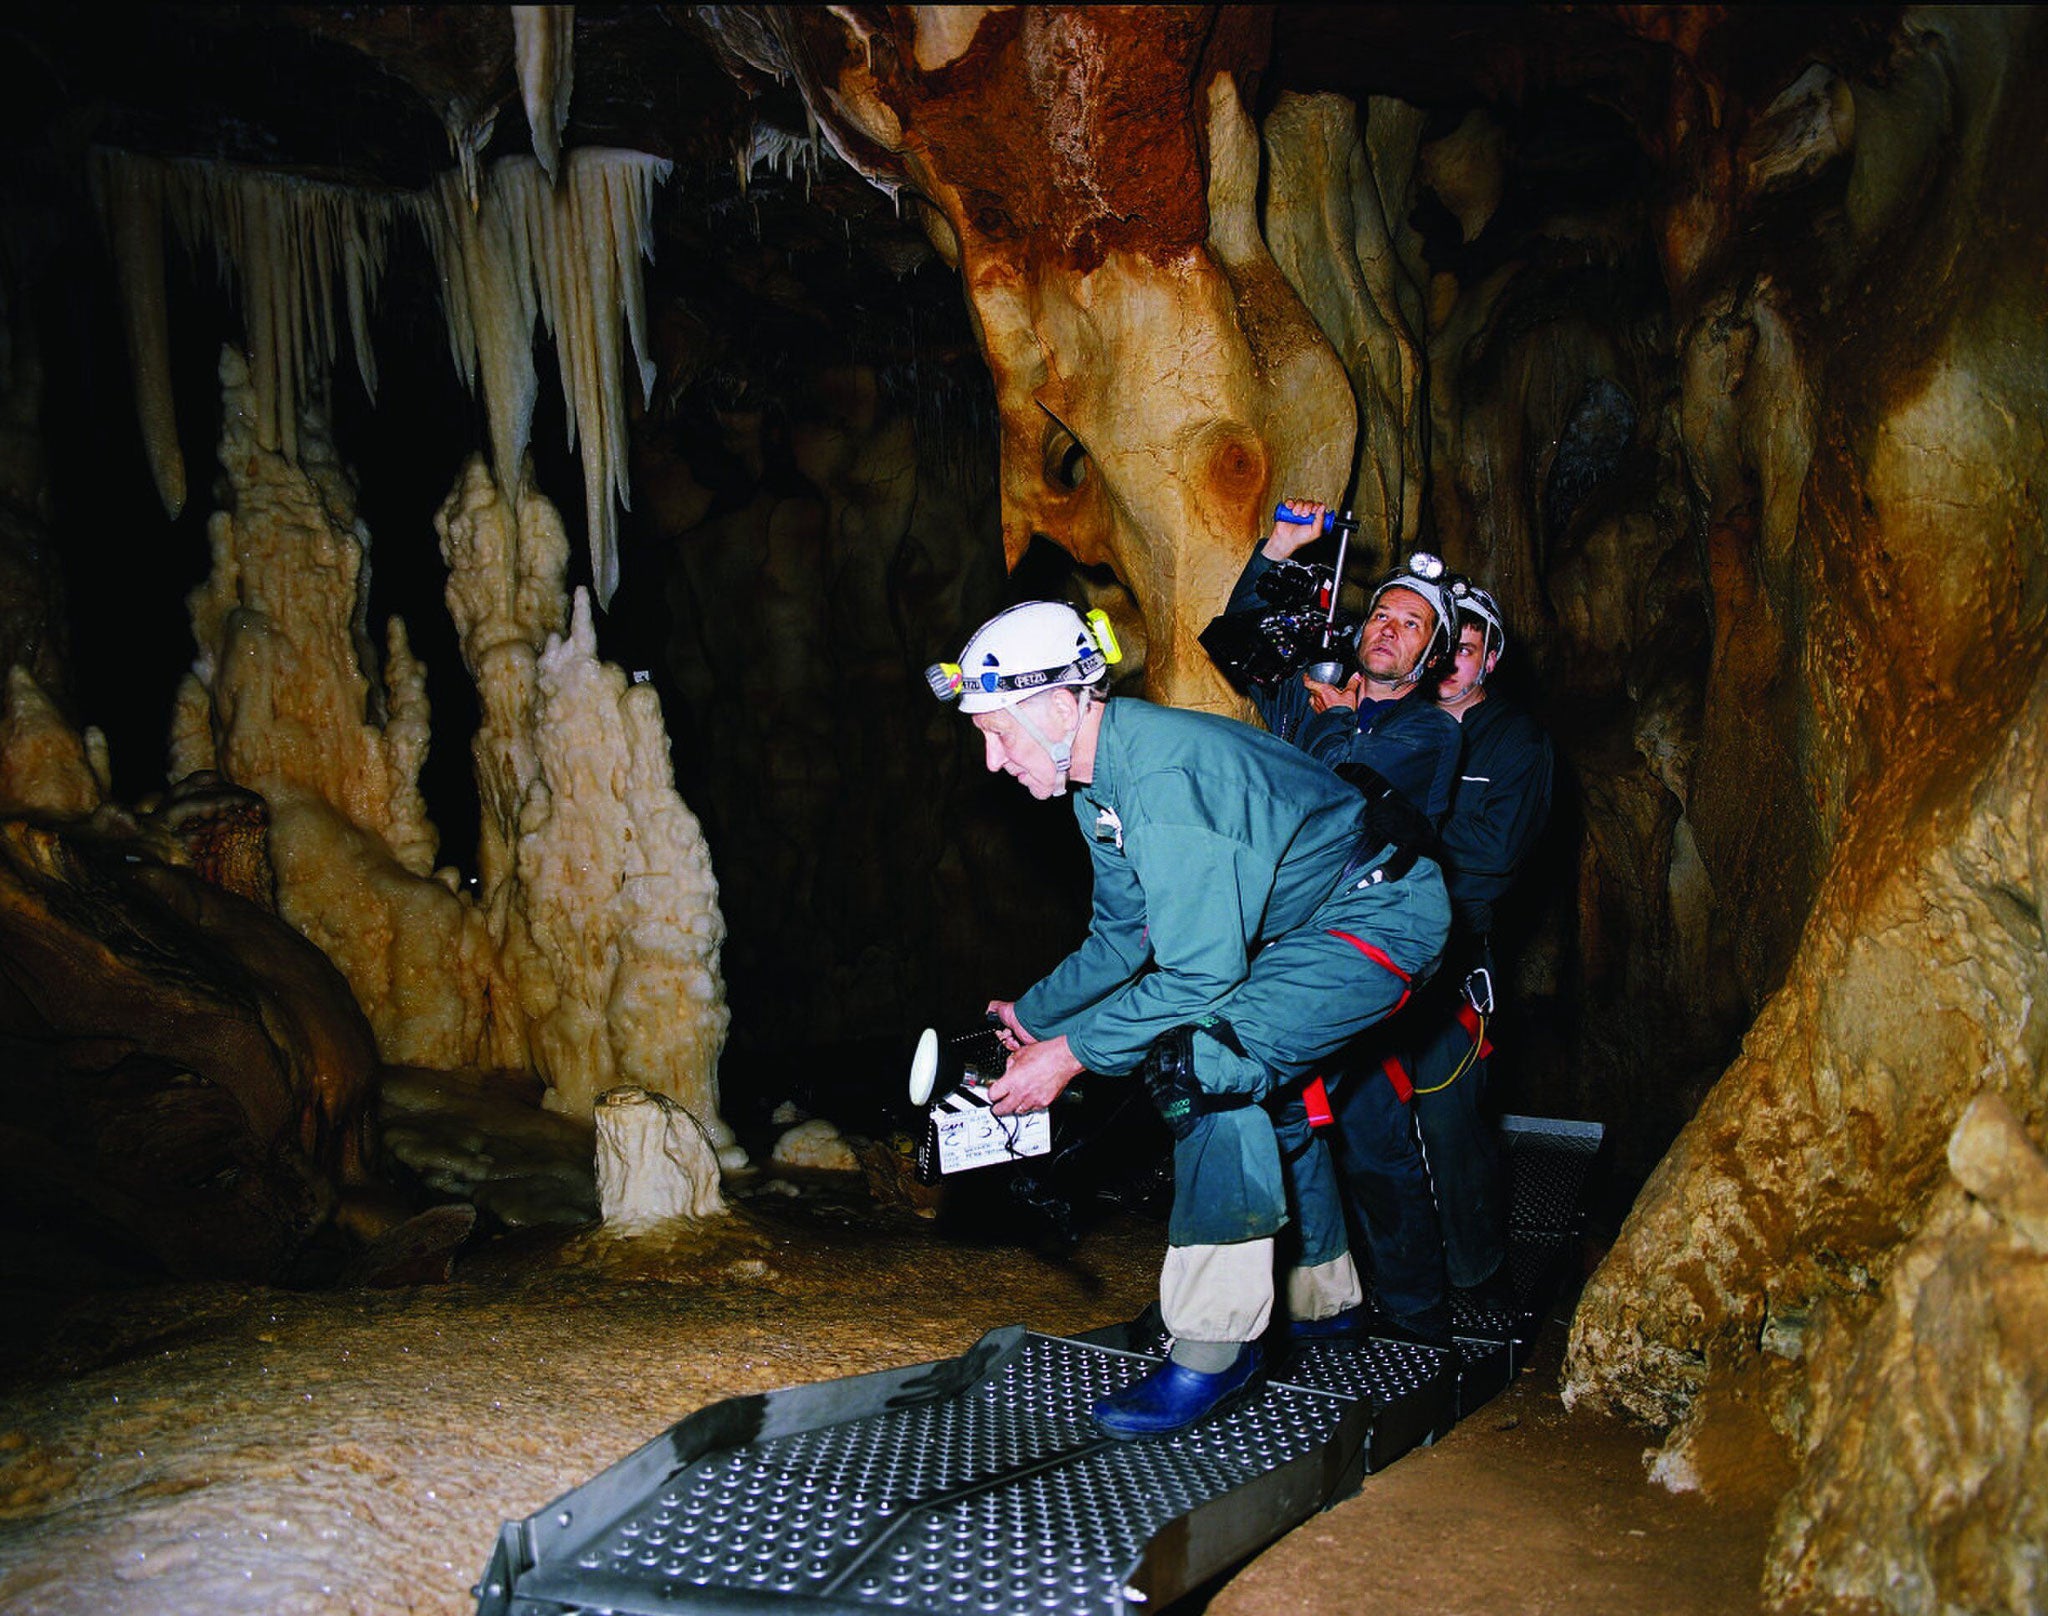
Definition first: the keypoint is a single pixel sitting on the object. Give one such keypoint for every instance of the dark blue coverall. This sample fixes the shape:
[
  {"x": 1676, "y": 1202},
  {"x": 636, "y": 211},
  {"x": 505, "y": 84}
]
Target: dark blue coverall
[
  {"x": 1498, "y": 810},
  {"x": 1414, "y": 745},
  {"x": 1226, "y": 891}
]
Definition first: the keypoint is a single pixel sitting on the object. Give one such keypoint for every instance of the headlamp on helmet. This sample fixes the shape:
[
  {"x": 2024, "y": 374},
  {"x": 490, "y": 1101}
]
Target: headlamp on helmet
[{"x": 1477, "y": 607}]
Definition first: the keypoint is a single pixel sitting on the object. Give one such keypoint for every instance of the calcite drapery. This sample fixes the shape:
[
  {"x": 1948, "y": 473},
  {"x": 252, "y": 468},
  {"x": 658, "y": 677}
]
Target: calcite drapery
[
  {"x": 1158, "y": 379},
  {"x": 309, "y": 259}
]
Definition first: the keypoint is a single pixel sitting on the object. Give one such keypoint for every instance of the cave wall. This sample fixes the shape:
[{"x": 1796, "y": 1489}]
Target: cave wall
[
  {"x": 1856, "y": 281},
  {"x": 1747, "y": 450}
]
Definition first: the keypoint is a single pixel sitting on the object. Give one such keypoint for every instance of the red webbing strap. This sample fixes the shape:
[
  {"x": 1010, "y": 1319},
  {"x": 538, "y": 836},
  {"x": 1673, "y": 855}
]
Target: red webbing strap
[
  {"x": 1475, "y": 1026},
  {"x": 1315, "y": 1095},
  {"x": 1381, "y": 958},
  {"x": 1397, "y": 1074}
]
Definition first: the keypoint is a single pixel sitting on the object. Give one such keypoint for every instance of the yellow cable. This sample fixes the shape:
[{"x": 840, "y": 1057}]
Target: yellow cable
[{"x": 1465, "y": 1065}]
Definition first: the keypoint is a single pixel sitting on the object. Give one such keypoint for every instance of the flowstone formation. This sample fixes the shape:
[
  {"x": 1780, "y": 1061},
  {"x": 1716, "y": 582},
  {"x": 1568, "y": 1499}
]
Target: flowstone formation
[
  {"x": 1145, "y": 309},
  {"x": 1877, "y": 584},
  {"x": 590, "y": 953}
]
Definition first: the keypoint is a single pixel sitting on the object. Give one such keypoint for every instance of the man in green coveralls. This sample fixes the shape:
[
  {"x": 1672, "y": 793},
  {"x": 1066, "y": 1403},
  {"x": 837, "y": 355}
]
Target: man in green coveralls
[{"x": 1242, "y": 932}]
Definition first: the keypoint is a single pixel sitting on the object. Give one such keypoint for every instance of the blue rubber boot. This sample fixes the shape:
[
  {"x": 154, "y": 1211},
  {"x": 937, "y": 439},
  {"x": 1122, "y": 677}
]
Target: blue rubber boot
[
  {"x": 1172, "y": 1398},
  {"x": 1348, "y": 1325}
]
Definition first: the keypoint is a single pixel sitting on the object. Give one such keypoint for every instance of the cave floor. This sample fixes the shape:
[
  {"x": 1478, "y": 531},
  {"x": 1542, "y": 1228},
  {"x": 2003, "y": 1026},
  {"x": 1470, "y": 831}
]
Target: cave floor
[{"x": 232, "y": 1449}]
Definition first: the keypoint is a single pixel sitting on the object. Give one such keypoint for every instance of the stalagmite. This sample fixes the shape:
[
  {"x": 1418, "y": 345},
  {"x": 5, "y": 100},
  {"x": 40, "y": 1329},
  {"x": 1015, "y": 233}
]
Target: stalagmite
[
  {"x": 615, "y": 887},
  {"x": 595, "y": 880},
  {"x": 544, "y": 44},
  {"x": 307, "y": 260},
  {"x": 654, "y": 1163},
  {"x": 276, "y": 703},
  {"x": 46, "y": 766}
]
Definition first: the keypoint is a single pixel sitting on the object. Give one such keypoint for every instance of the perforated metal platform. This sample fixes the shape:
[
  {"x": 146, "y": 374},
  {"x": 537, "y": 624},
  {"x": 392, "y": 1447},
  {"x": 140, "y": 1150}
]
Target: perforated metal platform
[
  {"x": 983, "y": 1484},
  {"x": 978, "y": 1484}
]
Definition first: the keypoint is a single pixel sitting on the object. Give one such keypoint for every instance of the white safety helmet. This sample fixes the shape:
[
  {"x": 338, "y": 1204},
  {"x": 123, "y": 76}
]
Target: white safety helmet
[
  {"x": 1038, "y": 646},
  {"x": 1423, "y": 575},
  {"x": 1478, "y": 607}
]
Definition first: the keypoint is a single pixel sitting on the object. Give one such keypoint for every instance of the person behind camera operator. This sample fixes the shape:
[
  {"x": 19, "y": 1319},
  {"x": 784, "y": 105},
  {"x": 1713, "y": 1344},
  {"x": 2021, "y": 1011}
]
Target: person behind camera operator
[
  {"x": 1244, "y": 926},
  {"x": 1500, "y": 806}
]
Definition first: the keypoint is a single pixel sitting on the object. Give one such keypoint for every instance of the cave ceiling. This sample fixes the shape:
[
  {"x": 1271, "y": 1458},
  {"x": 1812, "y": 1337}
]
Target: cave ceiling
[{"x": 373, "y": 95}]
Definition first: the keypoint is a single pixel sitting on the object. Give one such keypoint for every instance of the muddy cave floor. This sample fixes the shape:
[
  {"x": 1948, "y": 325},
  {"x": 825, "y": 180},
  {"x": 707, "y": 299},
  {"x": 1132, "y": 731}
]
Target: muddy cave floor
[{"x": 227, "y": 1449}]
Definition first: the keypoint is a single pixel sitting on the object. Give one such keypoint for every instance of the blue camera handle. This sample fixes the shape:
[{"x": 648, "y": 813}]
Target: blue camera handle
[{"x": 1282, "y": 514}]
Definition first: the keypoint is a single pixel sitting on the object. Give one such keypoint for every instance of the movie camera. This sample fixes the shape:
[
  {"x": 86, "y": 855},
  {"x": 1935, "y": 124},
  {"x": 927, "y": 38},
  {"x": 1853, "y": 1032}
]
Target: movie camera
[{"x": 1298, "y": 628}]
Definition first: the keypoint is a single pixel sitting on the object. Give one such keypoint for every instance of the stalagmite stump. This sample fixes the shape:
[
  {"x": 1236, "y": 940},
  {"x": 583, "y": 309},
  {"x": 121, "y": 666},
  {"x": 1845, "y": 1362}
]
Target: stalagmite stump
[{"x": 654, "y": 1162}]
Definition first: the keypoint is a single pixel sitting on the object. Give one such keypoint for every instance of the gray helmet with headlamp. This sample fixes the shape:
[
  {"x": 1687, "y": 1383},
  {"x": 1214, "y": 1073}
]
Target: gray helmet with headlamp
[{"x": 1478, "y": 608}]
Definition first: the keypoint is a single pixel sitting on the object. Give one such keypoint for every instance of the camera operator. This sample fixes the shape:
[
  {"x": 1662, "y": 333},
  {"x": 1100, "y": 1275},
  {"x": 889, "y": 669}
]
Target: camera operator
[
  {"x": 1245, "y": 925},
  {"x": 1498, "y": 810},
  {"x": 1382, "y": 715},
  {"x": 1381, "y": 729}
]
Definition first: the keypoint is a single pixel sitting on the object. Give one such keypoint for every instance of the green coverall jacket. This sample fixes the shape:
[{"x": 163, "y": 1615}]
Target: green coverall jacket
[{"x": 1221, "y": 894}]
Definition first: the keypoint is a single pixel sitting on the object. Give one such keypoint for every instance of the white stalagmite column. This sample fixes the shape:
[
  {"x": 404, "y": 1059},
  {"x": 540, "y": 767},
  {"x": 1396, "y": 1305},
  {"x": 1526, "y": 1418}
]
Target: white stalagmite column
[
  {"x": 654, "y": 1163},
  {"x": 596, "y": 880}
]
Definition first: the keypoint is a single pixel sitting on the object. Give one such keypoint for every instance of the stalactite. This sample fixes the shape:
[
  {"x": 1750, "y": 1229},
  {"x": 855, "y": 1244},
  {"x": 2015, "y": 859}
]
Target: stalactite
[
  {"x": 130, "y": 197},
  {"x": 572, "y": 255},
  {"x": 544, "y": 45},
  {"x": 290, "y": 247},
  {"x": 308, "y": 260}
]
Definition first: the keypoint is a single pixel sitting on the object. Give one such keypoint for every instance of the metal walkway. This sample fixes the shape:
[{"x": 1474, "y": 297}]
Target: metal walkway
[{"x": 982, "y": 1484}]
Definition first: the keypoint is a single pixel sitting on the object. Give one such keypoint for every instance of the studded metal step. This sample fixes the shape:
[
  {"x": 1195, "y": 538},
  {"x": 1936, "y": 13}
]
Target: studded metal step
[
  {"x": 1547, "y": 1161},
  {"x": 979, "y": 1484},
  {"x": 982, "y": 1484}
]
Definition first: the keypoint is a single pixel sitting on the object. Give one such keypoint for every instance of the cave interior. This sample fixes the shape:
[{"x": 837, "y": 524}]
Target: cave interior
[{"x": 1711, "y": 339}]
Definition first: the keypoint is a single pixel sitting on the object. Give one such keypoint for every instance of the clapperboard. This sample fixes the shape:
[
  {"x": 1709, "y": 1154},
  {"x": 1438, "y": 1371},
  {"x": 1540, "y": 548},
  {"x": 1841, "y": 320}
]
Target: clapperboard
[
  {"x": 961, "y": 1132},
  {"x": 966, "y": 1133}
]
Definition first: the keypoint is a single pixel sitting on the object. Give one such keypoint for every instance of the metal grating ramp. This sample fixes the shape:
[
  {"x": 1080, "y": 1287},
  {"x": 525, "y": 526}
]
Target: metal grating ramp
[
  {"x": 980, "y": 1484},
  {"x": 1547, "y": 1161}
]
